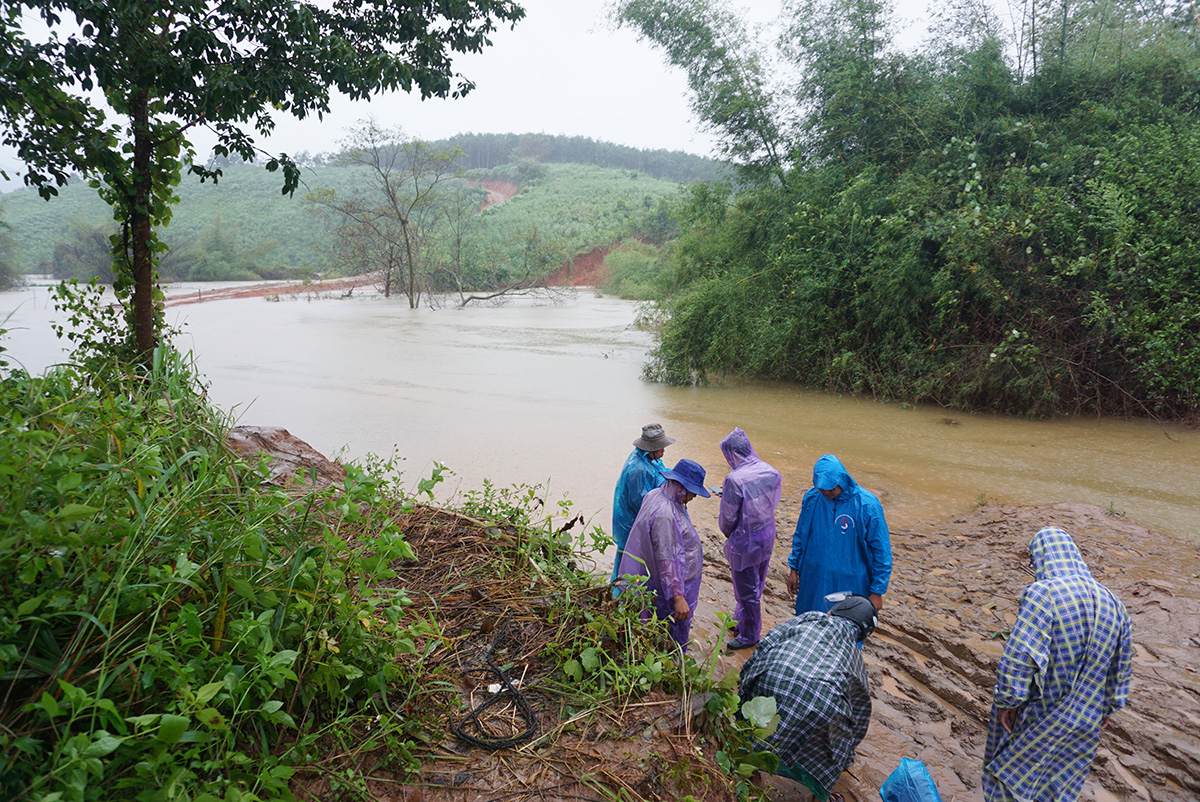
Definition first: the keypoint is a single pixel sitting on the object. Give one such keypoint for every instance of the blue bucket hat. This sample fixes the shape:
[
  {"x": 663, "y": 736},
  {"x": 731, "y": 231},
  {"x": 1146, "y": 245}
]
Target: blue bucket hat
[{"x": 690, "y": 475}]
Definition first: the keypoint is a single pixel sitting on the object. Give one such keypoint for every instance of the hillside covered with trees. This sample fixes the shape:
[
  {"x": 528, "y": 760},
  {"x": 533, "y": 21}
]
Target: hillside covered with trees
[
  {"x": 574, "y": 194},
  {"x": 1003, "y": 220}
]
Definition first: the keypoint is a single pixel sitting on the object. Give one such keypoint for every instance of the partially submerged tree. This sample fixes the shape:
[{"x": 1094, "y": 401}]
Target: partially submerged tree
[
  {"x": 8, "y": 276},
  {"x": 86, "y": 254},
  {"x": 455, "y": 249},
  {"x": 532, "y": 256},
  {"x": 111, "y": 90},
  {"x": 386, "y": 222}
]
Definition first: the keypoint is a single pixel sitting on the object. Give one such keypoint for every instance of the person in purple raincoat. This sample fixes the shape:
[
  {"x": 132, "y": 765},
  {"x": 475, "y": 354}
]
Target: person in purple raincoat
[
  {"x": 664, "y": 548},
  {"x": 747, "y": 519}
]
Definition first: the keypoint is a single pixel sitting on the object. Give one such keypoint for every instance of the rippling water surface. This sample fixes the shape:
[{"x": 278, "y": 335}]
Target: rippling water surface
[{"x": 552, "y": 394}]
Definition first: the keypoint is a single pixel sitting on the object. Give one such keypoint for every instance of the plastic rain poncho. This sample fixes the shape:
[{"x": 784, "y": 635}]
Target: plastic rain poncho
[
  {"x": 639, "y": 476},
  {"x": 663, "y": 547},
  {"x": 840, "y": 544},
  {"x": 1066, "y": 665},
  {"x": 747, "y": 519}
]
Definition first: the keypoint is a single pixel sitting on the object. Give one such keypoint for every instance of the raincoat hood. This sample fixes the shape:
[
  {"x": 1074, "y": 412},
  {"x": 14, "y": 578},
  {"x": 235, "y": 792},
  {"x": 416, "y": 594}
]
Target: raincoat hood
[
  {"x": 1054, "y": 554},
  {"x": 673, "y": 490},
  {"x": 828, "y": 471},
  {"x": 737, "y": 449}
]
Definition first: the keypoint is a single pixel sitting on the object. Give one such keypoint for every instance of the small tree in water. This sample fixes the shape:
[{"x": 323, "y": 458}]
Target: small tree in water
[{"x": 387, "y": 221}]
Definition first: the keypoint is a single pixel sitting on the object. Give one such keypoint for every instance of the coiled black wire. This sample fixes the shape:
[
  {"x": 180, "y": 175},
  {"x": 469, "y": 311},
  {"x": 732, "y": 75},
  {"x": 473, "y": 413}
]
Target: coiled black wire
[{"x": 507, "y": 691}]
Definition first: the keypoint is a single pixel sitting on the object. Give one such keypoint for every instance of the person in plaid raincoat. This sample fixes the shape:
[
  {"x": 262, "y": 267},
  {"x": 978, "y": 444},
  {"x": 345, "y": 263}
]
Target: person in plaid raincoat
[
  {"x": 813, "y": 667},
  {"x": 1065, "y": 669}
]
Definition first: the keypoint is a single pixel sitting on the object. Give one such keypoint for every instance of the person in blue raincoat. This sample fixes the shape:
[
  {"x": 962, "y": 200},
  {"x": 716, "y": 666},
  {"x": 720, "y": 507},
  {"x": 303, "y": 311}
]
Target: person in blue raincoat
[
  {"x": 641, "y": 473},
  {"x": 841, "y": 542},
  {"x": 1065, "y": 669}
]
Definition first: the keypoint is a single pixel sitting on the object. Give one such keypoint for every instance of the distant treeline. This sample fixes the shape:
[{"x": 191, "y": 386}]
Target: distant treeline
[
  {"x": 488, "y": 151},
  {"x": 491, "y": 151}
]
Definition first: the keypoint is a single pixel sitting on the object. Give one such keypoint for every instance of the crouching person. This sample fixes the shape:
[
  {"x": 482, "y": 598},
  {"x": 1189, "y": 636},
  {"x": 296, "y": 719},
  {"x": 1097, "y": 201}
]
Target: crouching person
[{"x": 813, "y": 667}]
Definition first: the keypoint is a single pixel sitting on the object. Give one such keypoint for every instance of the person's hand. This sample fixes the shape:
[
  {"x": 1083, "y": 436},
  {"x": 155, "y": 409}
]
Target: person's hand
[
  {"x": 681, "y": 608},
  {"x": 793, "y": 582},
  {"x": 1008, "y": 718},
  {"x": 1104, "y": 724},
  {"x": 877, "y": 600}
]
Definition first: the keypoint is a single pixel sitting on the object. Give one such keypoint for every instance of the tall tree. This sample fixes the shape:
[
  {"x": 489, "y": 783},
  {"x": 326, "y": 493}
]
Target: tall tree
[
  {"x": 111, "y": 90},
  {"x": 456, "y": 247},
  {"x": 843, "y": 49},
  {"x": 726, "y": 73},
  {"x": 8, "y": 276}
]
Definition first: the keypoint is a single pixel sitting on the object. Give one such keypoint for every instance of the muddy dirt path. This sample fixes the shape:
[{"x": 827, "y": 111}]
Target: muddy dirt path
[
  {"x": 954, "y": 590},
  {"x": 340, "y": 286}
]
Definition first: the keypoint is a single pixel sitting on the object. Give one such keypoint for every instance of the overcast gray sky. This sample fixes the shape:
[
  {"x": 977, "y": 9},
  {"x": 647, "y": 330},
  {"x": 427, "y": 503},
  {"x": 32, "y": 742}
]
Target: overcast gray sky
[{"x": 561, "y": 70}]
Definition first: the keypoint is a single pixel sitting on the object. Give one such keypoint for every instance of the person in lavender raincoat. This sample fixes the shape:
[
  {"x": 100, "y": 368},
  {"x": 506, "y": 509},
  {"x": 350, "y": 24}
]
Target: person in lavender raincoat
[
  {"x": 747, "y": 519},
  {"x": 664, "y": 548}
]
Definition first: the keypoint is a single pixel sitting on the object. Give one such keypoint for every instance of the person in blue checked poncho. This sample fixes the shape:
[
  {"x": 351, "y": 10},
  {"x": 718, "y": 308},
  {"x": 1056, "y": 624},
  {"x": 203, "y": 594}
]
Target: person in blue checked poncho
[
  {"x": 1065, "y": 669},
  {"x": 813, "y": 668},
  {"x": 841, "y": 543},
  {"x": 641, "y": 473}
]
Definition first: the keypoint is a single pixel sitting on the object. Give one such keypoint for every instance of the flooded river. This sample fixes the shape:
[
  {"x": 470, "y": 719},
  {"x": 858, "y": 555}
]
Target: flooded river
[{"x": 552, "y": 394}]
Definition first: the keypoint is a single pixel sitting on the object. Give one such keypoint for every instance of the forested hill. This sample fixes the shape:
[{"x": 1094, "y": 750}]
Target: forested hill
[
  {"x": 486, "y": 151},
  {"x": 576, "y": 194},
  {"x": 491, "y": 151}
]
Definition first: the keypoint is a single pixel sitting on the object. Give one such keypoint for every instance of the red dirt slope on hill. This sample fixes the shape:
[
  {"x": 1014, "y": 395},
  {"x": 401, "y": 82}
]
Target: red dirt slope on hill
[
  {"x": 497, "y": 192},
  {"x": 585, "y": 270}
]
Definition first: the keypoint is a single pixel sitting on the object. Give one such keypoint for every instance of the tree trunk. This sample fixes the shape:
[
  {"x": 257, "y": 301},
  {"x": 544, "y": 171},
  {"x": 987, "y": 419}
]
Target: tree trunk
[
  {"x": 413, "y": 300},
  {"x": 145, "y": 337}
]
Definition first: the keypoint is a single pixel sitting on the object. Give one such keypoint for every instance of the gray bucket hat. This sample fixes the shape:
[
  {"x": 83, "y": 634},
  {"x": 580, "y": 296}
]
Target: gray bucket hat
[
  {"x": 653, "y": 438},
  {"x": 860, "y": 610}
]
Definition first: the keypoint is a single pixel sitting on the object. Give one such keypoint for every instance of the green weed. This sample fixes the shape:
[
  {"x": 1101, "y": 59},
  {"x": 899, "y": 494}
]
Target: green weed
[{"x": 165, "y": 622}]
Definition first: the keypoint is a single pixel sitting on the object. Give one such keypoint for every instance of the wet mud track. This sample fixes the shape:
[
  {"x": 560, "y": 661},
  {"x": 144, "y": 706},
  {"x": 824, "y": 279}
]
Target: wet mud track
[{"x": 953, "y": 598}]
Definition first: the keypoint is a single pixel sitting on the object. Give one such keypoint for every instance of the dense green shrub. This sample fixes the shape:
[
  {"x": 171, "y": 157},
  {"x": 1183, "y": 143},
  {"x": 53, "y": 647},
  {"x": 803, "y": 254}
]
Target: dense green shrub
[
  {"x": 165, "y": 623},
  {"x": 1013, "y": 245},
  {"x": 634, "y": 270}
]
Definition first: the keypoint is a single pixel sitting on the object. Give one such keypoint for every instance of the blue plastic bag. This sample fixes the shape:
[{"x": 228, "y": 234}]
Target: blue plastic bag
[{"x": 910, "y": 782}]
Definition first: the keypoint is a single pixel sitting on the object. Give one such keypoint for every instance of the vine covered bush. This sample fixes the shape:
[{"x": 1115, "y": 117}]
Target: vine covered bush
[{"x": 975, "y": 225}]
